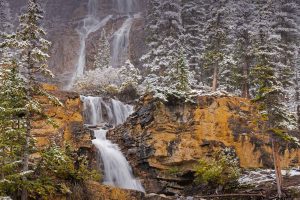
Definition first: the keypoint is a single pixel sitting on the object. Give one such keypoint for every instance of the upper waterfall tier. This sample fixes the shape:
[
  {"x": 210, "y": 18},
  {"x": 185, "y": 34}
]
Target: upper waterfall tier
[{"x": 98, "y": 111}]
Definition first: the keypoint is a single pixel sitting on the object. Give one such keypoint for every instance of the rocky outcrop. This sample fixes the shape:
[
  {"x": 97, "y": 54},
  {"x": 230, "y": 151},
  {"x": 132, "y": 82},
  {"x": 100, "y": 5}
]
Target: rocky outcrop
[
  {"x": 67, "y": 126},
  {"x": 164, "y": 141}
]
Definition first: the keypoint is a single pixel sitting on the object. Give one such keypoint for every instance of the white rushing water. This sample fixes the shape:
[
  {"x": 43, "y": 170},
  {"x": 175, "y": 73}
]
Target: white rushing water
[
  {"x": 97, "y": 112},
  {"x": 125, "y": 6},
  {"x": 117, "y": 171},
  {"x": 89, "y": 24},
  {"x": 120, "y": 42},
  {"x": 120, "y": 39}
]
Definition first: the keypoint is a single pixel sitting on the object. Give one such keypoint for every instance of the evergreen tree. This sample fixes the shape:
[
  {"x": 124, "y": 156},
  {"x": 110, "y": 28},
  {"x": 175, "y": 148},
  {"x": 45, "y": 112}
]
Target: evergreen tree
[
  {"x": 215, "y": 57},
  {"x": 165, "y": 46},
  {"x": 102, "y": 58},
  {"x": 193, "y": 20},
  {"x": 33, "y": 63},
  {"x": 243, "y": 18},
  {"x": 12, "y": 123},
  {"x": 271, "y": 78},
  {"x": 165, "y": 35},
  {"x": 286, "y": 26},
  {"x": 130, "y": 75},
  {"x": 180, "y": 77}
]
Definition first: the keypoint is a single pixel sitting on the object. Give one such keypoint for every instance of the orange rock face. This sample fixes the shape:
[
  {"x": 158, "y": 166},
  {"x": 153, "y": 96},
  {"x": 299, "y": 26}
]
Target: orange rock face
[
  {"x": 68, "y": 122},
  {"x": 160, "y": 137}
]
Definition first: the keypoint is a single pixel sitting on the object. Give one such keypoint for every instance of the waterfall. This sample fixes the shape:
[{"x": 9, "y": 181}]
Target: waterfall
[
  {"x": 89, "y": 24},
  {"x": 120, "y": 39},
  {"x": 97, "y": 112},
  {"x": 125, "y": 6},
  {"x": 120, "y": 42},
  {"x": 117, "y": 171}
]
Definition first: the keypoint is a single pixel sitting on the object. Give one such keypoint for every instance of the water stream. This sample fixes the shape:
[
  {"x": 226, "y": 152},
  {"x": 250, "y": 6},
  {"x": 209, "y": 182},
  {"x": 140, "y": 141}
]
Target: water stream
[
  {"x": 120, "y": 44},
  {"x": 88, "y": 25},
  {"x": 120, "y": 39},
  {"x": 98, "y": 113}
]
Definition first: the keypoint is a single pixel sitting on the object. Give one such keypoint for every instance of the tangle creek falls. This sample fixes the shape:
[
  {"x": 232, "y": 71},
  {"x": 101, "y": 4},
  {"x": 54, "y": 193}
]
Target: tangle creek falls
[{"x": 99, "y": 113}]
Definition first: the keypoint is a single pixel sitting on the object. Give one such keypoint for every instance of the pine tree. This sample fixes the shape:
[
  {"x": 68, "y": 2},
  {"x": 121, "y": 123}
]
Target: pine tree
[
  {"x": 297, "y": 87},
  {"x": 130, "y": 74},
  {"x": 12, "y": 122},
  {"x": 165, "y": 44},
  {"x": 166, "y": 39},
  {"x": 180, "y": 77},
  {"x": 33, "y": 50},
  {"x": 243, "y": 18},
  {"x": 216, "y": 43},
  {"x": 102, "y": 58},
  {"x": 286, "y": 26},
  {"x": 270, "y": 81},
  {"x": 193, "y": 20}
]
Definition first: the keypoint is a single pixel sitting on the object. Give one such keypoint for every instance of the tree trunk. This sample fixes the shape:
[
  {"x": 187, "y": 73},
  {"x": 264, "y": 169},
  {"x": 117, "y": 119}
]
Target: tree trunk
[
  {"x": 245, "y": 88},
  {"x": 297, "y": 98},
  {"x": 215, "y": 78},
  {"x": 29, "y": 95},
  {"x": 26, "y": 155},
  {"x": 277, "y": 167},
  {"x": 298, "y": 115}
]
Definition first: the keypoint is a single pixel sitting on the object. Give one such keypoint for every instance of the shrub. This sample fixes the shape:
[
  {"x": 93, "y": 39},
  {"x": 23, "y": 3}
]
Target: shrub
[{"x": 220, "y": 170}]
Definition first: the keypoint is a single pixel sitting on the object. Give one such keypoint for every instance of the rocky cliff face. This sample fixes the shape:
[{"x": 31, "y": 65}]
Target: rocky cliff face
[
  {"x": 68, "y": 122},
  {"x": 159, "y": 138},
  {"x": 61, "y": 23},
  {"x": 69, "y": 129}
]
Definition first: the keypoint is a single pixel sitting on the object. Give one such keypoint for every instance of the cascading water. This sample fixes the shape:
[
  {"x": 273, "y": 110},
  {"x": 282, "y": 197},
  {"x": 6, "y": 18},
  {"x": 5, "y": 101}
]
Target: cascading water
[
  {"x": 98, "y": 112},
  {"x": 125, "y": 6},
  {"x": 117, "y": 171},
  {"x": 120, "y": 42},
  {"x": 89, "y": 25}
]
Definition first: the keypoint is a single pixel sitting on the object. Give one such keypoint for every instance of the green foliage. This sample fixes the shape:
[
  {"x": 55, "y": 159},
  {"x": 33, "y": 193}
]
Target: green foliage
[
  {"x": 270, "y": 97},
  {"x": 174, "y": 170},
  {"x": 65, "y": 165},
  {"x": 182, "y": 74},
  {"x": 212, "y": 57},
  {"x": 55, "y": 173},
  {"x": 222, "y": 169}
]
